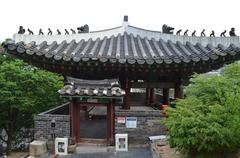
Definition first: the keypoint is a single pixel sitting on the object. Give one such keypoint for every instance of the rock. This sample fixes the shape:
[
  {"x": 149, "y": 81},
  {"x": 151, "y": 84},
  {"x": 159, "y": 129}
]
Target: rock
[
  {"x": 37, "y": 148},
  {"x": 72, "y": 148}
]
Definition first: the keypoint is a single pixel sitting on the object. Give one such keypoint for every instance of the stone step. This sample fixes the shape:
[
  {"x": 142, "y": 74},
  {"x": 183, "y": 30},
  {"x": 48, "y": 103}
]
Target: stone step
[
  {"x": 92, "y": 149},
  {"x": 92, "y": 142}
]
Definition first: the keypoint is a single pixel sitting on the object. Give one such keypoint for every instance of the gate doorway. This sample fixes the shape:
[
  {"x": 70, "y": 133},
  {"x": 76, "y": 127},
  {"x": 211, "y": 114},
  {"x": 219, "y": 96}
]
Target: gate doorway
[{"x": 93, "y": 122}]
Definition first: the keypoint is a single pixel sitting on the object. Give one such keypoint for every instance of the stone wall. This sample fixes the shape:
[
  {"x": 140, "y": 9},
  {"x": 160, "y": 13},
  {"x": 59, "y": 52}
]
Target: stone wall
[
  {"x": 148, "y": 124},
  {"x": 43, "y": 129}
]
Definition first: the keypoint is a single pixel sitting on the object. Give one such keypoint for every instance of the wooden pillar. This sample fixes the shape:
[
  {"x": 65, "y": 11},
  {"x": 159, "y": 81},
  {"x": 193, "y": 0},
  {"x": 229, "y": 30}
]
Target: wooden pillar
[
  {"x": 110, "y": 124},
  {"x": 64, "y": 79},
  {"x": 147, "y": 96},
  {"x": 166, "y": 100},
  {"x": 75, "y": 120},
  {"x": 178, "y": 91},
  {"x": 71, "y": 118},
  {"x": 151, "y": 96},
  {"x": 126, "y": 98}
]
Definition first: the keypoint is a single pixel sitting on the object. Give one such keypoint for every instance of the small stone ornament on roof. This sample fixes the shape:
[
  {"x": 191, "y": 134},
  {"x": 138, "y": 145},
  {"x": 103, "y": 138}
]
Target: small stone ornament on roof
[
  {"x": 40, "y": 32},
  {"x": 21, "y": 30},
  {"x": 30, "y": 32},
  {"x": 167, "y": 29},
  {"x": 73, "y": 31},
  {"x": 203, "y": 33},
  {"x": 66, "y": 32},
  {"x": 212, "y": 34},
  {"x": 49, "y": 31},
  {"x": 178, "y": 32},
  {"x": 58, "y": 32},
  {"x": 232, "y": 32},
  {"x": 83, "y": 29},
  {"x": 223, "y": 33},
  {"x": 186, "y": 33},
  {"x": 194, "y": 33}
]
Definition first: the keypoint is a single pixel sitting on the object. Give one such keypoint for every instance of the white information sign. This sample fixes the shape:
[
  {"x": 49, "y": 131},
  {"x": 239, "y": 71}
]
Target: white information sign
[
  {"x": 61, "y": 145},
  {"x": 131, "y": 122}
]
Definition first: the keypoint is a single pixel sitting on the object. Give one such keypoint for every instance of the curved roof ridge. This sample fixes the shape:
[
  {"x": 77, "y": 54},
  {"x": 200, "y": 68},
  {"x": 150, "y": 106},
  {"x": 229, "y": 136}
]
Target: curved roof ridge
[
  {"x": 68, "y": 38},
  {"x": 125, "y": 28},
  {"x": 157, "y": 35},
  {"x": 87, "y": 81},
  {"x": 113, "y": 28},
  {"x": 145, "y": 29}
]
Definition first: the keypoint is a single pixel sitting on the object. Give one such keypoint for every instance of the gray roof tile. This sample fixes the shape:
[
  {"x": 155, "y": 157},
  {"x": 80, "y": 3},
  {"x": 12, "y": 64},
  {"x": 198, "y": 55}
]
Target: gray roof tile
[
  {"x": 80, "y": 87},
  {"x": 125, "y": 48}
]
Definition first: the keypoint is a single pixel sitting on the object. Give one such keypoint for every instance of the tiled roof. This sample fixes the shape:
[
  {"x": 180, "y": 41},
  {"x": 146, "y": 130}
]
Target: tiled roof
[
  {"x": 125, "y": 44},
  {"x": 80, "y": 87},
  {"x": 125, "y": 48}
]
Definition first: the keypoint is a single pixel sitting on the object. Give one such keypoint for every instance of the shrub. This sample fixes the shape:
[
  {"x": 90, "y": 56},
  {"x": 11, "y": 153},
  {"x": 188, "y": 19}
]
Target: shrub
[{"x": 207, "y": 122}]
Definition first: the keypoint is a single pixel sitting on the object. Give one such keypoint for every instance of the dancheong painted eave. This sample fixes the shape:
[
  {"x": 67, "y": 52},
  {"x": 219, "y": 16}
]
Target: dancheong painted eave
[{"x": 124, "y": 45}]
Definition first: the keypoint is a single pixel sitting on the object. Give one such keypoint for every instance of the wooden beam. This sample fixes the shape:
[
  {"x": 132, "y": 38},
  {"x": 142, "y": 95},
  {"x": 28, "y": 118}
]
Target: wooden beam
[{"x": 152, "y": 85}]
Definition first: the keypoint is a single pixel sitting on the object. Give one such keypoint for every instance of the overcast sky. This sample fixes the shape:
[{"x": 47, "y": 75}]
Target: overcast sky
[{"x": 215, "y": 15}]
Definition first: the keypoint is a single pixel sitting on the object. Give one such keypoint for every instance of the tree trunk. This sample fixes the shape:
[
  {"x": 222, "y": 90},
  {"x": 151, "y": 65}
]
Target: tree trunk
[
  {"x": 9, "y": 131},
  {"x": 9, "y": 144},
  {"x": 12, "y": 116}
]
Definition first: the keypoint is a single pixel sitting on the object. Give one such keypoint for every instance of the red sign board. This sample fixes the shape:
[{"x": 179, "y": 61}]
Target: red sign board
[{"x": 121, "y": 120}]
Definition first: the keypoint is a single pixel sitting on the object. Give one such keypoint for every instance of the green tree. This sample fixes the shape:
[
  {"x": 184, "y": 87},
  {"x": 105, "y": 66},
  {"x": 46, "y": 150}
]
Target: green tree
[
  {"x": 206, "y": 123},
  {"x": 24, "y": 91}
]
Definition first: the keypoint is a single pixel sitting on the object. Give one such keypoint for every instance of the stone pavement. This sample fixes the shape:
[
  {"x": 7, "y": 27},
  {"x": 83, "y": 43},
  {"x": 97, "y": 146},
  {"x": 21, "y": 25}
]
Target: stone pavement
[{"x": 132, "y": 153}]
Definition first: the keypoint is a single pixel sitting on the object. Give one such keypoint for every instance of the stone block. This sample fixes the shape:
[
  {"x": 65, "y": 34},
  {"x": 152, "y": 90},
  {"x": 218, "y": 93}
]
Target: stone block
[
  {"x": 37, "y": 148},
  {"x": 72, "y": 148}
]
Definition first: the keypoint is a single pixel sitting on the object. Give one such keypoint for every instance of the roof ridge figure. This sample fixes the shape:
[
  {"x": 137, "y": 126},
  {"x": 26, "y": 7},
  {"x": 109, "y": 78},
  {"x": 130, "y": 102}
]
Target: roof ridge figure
[
  {"x": 167, "y": 29},
  {"x": 232, "y": 32},
  {"x": 82, "y": 33},
  {"x": 83, "y": 29}
]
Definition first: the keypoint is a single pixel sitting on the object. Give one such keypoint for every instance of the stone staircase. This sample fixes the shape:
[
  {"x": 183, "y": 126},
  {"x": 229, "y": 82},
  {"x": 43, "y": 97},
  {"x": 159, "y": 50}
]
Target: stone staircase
[{"x": 94, "y": 149}]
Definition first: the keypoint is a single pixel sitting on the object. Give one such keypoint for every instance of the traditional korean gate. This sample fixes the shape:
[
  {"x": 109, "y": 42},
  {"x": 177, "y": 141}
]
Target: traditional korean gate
[
  {"x": 85, "y": 95},
  {"x": 85, "y": 129}
]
